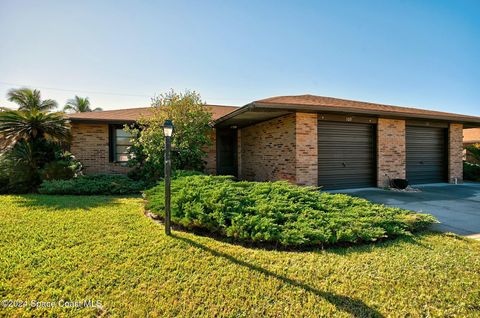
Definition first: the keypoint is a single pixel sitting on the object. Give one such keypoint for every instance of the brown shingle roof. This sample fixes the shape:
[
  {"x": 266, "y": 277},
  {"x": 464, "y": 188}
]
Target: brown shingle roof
[
  {"x": 337, "y": 103},
  {"x": 268, "y": 108},
  {"x": 133, "y": 114}
]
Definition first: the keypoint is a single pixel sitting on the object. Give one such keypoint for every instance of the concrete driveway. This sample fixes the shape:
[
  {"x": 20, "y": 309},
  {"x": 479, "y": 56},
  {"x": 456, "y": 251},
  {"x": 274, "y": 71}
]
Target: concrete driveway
[{"x": 457, "y": 207}]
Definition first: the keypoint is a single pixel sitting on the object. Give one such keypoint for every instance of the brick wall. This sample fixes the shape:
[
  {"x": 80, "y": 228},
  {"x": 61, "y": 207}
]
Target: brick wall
[
  {"x": 391, "y": 151},
  {"x": 283, "y": 148},
  {"x": 268, "y": 150},
  {"x": 211, "y": 158},
  {"x": 90, "y": 146},
  {"x": 306, "y": 149},
  {"x": 455, "y": 153},
  {"x": 239, "y": 153}
]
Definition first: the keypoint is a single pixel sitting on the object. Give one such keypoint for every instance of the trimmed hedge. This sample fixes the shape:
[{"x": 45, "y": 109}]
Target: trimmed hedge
[
  {"x": 279, "y": 212},
  {"x": 471, "y": 171},
  {"x": 93, "y": 185}
]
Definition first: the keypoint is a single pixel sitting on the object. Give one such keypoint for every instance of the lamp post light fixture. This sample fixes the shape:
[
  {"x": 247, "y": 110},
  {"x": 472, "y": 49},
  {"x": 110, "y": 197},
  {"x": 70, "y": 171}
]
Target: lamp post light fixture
[{"x": 167, "y": 132}]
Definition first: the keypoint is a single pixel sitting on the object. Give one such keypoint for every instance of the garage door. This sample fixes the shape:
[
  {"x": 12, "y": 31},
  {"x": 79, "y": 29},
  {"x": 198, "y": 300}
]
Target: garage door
[
  {"x": 346, "y": 155},
  {"x": 426, "y": 155}
]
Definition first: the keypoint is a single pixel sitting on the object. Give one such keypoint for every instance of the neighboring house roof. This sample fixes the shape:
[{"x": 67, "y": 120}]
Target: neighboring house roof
[
  {"x": 133, "y": 114},
  {"x": 471, "y": 136},
  {"x": 310, "y": 103}
]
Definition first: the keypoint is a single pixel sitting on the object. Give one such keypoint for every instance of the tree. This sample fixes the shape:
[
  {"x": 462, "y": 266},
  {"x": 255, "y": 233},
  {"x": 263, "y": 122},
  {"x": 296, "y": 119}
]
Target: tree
[
  {"x": 191, "y": 119},
  {"x": 79, "y": 105},
  {"x": 18, "y": 125},
  {"x": 29, "y": 140},
  {"x": 473, "y": 153},
  {"x": 28, "y": 99}
]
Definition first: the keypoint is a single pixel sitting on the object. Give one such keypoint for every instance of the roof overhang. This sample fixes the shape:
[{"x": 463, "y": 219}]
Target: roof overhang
[
  {"x": 100, "y": 121},
  {"x": 257, "y": 112},
  {"x": 249, "y": 115}
]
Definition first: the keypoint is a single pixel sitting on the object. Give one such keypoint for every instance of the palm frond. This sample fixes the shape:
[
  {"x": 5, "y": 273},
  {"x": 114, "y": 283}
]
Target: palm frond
[
  {"x": 78, "y": 104},
  {"x": 68, "y": 107},
  {"x": 48, "y": 104},
  {"x": 17, "y": 125},
  {"x": 28, "y": 99}
]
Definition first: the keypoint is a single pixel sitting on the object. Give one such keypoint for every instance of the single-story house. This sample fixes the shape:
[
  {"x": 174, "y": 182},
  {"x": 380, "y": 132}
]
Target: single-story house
[
  {"x": 100, "y": 143},
  {"x": 305, "y": 139}
]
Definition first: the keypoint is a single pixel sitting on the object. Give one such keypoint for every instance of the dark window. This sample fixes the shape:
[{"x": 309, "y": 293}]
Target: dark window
[
  {"x": 119, "y": 144},
  {"x": 227, "y": 152}
]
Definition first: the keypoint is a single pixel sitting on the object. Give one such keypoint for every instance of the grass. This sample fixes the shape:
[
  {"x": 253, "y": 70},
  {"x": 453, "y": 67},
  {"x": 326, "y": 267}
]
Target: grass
[{"x": 104, "y": 248}]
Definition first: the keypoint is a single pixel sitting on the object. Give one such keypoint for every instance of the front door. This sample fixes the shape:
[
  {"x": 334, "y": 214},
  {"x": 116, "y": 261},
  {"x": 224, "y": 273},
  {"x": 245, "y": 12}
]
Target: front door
[{"x": 227, "y": 151}]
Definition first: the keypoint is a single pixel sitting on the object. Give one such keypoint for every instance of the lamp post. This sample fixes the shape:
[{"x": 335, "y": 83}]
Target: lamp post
[{"x": 167, "y": 132}]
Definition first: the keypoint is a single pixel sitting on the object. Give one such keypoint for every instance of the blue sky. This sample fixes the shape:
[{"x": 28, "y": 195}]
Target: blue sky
[{"x": 424, "y": 54}]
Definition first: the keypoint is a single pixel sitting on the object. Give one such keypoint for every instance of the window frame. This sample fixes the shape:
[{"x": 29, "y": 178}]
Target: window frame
[{"x": 112, "y": 143}]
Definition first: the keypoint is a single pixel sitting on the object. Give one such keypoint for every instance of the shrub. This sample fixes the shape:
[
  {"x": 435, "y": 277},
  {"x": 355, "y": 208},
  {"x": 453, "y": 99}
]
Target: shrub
[
  {"x": 93, "y": 184},
  {"x": 279, "y": 212},
  {"x": 473, "y": 153},
  {"x": 5, "y": 167},
  {"x": 191, "y": 118},
  {"x": 57, "y": 170},
  {"x": 65, "y": 166},
  {"x": 16, "y": 176},
  {"x": 471, "y": 171}
]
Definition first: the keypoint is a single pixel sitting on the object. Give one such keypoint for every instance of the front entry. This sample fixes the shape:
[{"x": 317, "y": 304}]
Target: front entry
[{"x": 226, "y": 151}]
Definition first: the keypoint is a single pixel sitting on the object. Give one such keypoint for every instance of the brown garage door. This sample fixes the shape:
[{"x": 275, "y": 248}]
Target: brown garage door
[
  {"x": 426, "y": 154},
  {"x": 346, "y": 155}
]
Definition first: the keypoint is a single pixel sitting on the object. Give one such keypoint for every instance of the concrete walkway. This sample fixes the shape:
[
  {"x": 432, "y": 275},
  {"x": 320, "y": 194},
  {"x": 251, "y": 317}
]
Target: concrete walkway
[{"x": 457, "y": 207}]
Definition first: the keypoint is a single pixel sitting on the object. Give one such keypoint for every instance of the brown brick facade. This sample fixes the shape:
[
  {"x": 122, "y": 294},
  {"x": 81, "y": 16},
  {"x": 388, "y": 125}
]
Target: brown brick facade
[
  {"x": 267, "y": 150},
  {"x": 391, "y": 151},
  {"x": 455, "y": 153},
  {"x": 239, "y": 153},
  {"x": 306, "y": 126},
  {"x": 283, "y": 148},
  {"x": 90, "y": 146},
  {"x": 211, "y": 157}
]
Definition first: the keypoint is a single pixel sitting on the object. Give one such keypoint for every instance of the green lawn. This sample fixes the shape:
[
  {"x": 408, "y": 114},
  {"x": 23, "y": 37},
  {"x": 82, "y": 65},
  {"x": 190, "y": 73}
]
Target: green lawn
[{"x": 104, "y": 248}]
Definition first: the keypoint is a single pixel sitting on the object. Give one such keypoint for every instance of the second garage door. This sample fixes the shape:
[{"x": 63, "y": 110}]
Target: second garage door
[
  {"x": 346, "y": 155},
  {"x": 426, "y": 154}
]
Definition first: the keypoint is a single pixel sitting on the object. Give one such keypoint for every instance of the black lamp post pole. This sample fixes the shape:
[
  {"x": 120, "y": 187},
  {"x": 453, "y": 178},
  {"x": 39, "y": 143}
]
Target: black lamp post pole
[{"x": 168, "y": 169}]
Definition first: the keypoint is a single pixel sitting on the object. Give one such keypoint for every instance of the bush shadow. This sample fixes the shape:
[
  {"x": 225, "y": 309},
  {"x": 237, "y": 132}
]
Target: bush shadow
[
  {"x": 367, "y": 247},
  {"x": 66, "y": 202},
  {"x": 353, "y": 306}
]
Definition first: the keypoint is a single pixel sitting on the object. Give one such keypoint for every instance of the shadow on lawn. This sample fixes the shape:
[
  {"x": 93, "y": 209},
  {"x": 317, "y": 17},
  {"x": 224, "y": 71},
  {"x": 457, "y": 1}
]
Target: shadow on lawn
[
  {"x": 355, "y": 307},
  {"x": 65, "y": 202},
  {"x": 367, "y": 247}
]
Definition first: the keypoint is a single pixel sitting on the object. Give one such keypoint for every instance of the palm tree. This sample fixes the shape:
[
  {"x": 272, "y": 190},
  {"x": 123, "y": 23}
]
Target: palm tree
[
  {"x": 79, "y": 105},
  {"x": 28, "y": 126},
  {"x": 28, "y": 99},
  {"x": 30, "y": 139}
]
